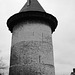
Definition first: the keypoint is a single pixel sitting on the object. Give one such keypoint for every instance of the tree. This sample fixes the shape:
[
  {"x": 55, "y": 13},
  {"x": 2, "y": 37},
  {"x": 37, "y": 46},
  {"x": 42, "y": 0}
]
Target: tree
[{"x": 3, "y": 66}]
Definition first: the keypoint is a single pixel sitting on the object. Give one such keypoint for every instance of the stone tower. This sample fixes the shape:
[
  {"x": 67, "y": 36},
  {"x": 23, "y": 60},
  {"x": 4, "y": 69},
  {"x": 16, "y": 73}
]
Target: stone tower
[{"x": 31, "y": 47}]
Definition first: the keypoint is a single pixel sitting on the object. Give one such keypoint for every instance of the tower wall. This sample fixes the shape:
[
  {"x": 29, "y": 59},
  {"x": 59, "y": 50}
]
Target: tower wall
[{"x": 31, "y": 50}]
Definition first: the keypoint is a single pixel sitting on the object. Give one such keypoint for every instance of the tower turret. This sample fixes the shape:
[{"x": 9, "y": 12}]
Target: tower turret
[
  {"x": 31, "y": 47},
  {"x": 32, "y": 10}
]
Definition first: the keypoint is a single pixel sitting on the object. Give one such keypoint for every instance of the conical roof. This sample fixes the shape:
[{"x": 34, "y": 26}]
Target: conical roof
[
  {"x": 32, "y": 11},
  {"x": 32, "y": 5}
]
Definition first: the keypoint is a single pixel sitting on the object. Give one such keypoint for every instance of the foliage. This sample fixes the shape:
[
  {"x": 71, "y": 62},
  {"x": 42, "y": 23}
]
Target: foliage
[{"x": 3, "y": 66}]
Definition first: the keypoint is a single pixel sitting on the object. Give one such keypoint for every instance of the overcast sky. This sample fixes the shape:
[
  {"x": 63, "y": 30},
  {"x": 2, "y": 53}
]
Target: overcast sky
[{"x": 63, "y": 37}]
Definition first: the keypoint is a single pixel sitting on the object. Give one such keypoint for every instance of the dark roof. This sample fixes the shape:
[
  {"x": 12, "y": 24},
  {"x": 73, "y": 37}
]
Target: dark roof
[
  {"x": 32, "y": 5},
  {"x": 32, "y": 11}
]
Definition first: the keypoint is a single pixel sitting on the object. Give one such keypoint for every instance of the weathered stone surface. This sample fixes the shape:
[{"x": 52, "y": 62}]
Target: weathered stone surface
[
  {"x": 27, "y": 54},
  {"x": 32, "y": 51}
]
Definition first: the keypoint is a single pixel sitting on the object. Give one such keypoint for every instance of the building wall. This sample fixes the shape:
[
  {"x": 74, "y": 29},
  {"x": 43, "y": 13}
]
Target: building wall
[{"x": 32, "y": 50}]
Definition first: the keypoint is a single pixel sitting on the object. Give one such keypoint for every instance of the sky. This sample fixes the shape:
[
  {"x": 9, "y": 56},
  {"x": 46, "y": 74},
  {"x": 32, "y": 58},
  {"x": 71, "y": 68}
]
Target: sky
[{"x": 63, "y": 37}]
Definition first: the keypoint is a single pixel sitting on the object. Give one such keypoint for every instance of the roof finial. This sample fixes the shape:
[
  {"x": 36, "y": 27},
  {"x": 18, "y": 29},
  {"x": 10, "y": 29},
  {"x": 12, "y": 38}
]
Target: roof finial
[{"x": 28, "y": 2}]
